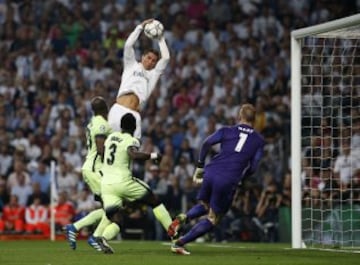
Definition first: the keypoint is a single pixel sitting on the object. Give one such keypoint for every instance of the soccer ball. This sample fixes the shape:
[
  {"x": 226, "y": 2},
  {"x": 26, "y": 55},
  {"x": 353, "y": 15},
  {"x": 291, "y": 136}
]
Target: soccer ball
[{"x": 154, "y": 30}]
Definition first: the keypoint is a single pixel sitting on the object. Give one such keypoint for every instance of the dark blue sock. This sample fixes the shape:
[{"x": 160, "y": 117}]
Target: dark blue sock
[
  {"x": 196, "y": 211},
  {"x": 199, "y": 229}
]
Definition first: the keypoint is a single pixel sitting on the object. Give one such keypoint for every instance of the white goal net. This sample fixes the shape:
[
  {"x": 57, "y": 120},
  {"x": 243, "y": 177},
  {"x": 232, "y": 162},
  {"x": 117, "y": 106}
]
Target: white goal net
[{"x": 325, "y": 135}]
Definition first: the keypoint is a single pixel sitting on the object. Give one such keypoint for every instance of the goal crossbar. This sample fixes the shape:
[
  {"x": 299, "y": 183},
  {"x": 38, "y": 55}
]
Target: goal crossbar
[{"x": 327, "y": 27}]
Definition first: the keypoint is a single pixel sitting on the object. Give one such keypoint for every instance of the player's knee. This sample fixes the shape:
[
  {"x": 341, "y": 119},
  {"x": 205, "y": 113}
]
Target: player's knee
[
  {"x": 214, "y": 218},
  {"x": 206, "y": 205},
  {"x": 111, "y": 213},
  {"x": 155, "y": 202},
  {"x": 151, "y": 199},
  {"x": 97, "y": 198}
]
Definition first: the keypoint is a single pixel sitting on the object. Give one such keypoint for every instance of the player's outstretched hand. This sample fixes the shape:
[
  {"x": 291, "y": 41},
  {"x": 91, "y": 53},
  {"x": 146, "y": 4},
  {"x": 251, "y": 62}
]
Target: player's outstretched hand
[
  {"x": 146, "y": 21},
  {"x": 156, "y": 157},
  {"x": 198, "y": 175}
]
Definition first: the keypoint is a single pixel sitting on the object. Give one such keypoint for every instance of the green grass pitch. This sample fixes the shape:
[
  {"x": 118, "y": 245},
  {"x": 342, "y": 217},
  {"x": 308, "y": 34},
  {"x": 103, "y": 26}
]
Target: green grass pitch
[{"x": 158, "y": 253}]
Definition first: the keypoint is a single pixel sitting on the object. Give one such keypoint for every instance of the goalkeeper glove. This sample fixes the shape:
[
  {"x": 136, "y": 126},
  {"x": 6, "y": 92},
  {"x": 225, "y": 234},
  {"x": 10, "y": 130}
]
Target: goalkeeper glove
[
  {"x": 199, "y": 173},
  {"x": 155, "y": 157}
]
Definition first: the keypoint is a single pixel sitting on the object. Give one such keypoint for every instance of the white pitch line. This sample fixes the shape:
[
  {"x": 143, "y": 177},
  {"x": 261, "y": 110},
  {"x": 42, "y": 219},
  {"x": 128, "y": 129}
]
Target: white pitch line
[
  {"x": 223, "y": 246},
  {"x": 208, "y": 245},
  {"x": 327, "y": 249}
]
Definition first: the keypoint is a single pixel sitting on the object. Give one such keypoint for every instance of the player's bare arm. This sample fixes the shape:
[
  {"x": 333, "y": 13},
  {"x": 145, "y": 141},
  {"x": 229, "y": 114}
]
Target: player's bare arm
[
  {"x": 146, "y": 21},
  {"x": 100, "y": 140},
  {"x": 135, "y": 154}
]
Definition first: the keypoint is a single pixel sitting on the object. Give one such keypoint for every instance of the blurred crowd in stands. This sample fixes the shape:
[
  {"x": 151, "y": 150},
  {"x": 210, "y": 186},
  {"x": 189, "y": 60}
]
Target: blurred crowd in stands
[{"x": 57, "y": 54}]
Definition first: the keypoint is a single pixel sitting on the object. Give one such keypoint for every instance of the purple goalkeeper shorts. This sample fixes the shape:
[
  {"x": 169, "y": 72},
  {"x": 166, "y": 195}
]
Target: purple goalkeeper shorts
[{"x": 217, "y": 193}]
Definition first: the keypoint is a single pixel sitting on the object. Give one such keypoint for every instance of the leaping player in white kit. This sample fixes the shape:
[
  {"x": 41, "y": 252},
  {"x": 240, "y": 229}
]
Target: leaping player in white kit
[{"x": 138, "y": 79}]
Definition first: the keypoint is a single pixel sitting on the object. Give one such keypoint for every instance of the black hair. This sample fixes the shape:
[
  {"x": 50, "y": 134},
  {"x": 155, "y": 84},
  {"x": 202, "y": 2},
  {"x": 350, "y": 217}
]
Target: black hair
[
  {"x": 150, "y": 50},
  {"x": 128, "y": 123},
  {"x": 99, "y": 106}
]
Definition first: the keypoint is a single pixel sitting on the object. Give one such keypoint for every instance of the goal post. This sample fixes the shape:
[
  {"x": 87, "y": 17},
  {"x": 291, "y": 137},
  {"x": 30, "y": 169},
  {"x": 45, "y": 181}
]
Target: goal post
[
  {"x": 296, "y": 238},
  {"x": 53, "y": 199},
  {"x": 321, "y": 57}
]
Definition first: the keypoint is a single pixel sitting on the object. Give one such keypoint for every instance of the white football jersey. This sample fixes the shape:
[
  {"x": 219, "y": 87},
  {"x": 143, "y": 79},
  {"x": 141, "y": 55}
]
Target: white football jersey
[{"x": 135, "y": 79}]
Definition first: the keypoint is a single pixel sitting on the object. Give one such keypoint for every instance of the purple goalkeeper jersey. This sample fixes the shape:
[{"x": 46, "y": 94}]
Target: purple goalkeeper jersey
[{"x": 241, "y": 150}]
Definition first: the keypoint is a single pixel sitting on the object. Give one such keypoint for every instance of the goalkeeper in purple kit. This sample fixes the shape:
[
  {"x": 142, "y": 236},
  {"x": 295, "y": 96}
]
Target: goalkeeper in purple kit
[{"x": 241, "y": 150}]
